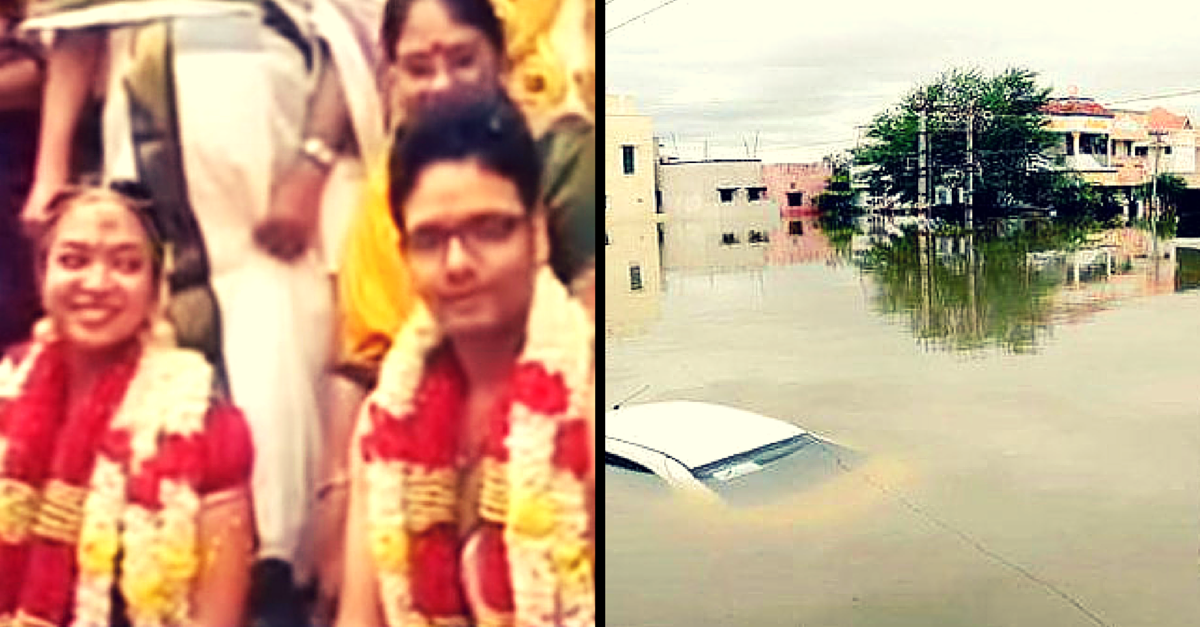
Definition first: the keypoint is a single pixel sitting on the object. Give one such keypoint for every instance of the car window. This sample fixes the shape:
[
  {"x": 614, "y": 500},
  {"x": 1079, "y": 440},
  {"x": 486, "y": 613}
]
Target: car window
[
  {"x": 626, "y": 464},
  {"x": 777, "y": 470}
]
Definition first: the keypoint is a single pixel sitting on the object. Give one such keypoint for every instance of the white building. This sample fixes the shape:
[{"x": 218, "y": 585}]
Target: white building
[{"x": 718, "y": 213}]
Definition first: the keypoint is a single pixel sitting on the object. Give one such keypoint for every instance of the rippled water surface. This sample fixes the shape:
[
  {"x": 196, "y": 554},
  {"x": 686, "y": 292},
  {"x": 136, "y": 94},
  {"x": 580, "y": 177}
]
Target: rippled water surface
[{"x": 1032, "y": 434}]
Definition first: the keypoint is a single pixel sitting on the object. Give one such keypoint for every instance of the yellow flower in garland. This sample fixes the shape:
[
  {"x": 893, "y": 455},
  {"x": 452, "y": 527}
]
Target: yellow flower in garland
[
  {"x": 98, "y": 546},
  {"x": 389, "y": 545},
  {"x": 533, "y": 515},
  {"x": 178, "y": 560},
  {"x": 148, "y": 594},
  {"x": 572, "y": 563}
]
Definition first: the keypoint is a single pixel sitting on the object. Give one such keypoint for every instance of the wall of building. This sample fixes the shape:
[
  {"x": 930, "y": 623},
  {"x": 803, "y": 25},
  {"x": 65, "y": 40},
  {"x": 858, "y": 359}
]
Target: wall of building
[
  {"x": 1129, "y": 155},
  {"x": 698, "y": 220},
  {"x": 809, "y": 179},
  {"x": 632, "y": 265}
]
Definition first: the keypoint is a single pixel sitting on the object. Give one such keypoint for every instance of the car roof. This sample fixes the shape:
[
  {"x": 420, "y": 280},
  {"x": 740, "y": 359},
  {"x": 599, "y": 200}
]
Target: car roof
[{"x": 695, "y": 433}]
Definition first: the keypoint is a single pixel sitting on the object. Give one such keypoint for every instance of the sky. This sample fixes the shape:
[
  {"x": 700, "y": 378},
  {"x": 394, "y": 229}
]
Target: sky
[{"x": 803, "y": 76}]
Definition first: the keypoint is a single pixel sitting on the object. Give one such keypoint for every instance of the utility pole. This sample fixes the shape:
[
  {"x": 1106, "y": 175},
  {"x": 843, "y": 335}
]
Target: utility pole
[
  {"x": 922, "y": 161},
  {"x": 970, "y": 199},
  {"x": 1158, "y": 145}
]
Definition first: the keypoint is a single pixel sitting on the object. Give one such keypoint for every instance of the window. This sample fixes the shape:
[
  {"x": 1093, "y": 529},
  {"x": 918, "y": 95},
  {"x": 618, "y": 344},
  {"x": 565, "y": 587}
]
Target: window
[
  {"x": 727, "y": 193},
  {"x": 795, "y": 227},
  {"x": 607, "y": 240},
  {"x": 795, "y": 199},
  {"x": 627, "y": 158},
  {"x": 1167, "y": 150},
  {"x": 635, "y": 278},
  {"x": 757, "y": 193},
  {"x": 729, "y": 239},
  {"x": 1141, "y": 151},
  {"x": 658, "y": 208},
  {"x": 621, "y": 462},
  {"x": 757, "y": 237}
]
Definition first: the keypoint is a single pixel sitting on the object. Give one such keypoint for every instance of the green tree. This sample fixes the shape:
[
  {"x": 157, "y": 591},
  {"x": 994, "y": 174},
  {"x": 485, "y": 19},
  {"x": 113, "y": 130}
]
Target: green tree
[
  {"x": 1010, "y": 139},
  {"x": 836, "y": 202},
  {"x": 1170, "y": 189},
  {"x": 1073, "y": 199}
]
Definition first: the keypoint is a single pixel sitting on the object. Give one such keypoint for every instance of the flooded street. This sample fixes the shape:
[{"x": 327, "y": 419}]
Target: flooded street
[{"x": 1032, "y": 430}]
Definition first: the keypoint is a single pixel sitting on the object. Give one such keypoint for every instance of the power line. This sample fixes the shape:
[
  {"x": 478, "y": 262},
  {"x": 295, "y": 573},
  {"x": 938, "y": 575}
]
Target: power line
[
  {"x": 638, "y": 17},
  {"x": 807, "y": 145},
  {"x": 1189, "y": 92}
]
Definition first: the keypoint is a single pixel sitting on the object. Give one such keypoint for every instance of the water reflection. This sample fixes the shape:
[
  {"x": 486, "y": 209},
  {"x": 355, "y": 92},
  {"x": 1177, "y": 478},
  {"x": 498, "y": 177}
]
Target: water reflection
[
  {"x": 956, "y": 293},
  {"x": 963, "y": 294}
]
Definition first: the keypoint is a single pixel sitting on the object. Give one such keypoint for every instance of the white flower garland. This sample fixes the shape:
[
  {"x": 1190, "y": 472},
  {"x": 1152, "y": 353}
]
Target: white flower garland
[
  {"x": 560, "y": 337},
  {"x": 387, "y": 527},
  {"x": 539, "y": 558},
  {"x": 169, "y": 395}
]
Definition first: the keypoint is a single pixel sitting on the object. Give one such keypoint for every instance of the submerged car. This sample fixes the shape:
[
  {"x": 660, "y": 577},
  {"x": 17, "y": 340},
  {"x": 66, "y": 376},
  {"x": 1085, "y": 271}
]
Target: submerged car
[{"x": 739, "y": 456}]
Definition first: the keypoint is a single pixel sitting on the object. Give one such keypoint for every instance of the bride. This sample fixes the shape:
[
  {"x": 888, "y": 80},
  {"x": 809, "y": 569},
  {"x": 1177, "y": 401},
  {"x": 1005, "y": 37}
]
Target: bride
[{"x": 124, "y": 492}]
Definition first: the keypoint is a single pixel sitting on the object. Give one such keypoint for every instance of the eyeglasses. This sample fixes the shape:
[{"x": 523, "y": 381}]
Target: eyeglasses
[{"x": 476, "y": 235}]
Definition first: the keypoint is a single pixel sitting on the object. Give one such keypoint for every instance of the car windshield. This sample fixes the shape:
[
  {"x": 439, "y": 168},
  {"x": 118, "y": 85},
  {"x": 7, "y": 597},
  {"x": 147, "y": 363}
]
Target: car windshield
[{"x": 774, "y": 471}]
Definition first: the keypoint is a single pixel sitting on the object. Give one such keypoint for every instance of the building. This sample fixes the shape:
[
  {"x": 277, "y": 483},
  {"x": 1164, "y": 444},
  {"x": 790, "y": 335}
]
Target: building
[
  {"x": 632, "y": 264},
  {"x": 717, "y": 213},
  {"x": 794, "y": 187},
  {"x": 1121, "y": 149}
]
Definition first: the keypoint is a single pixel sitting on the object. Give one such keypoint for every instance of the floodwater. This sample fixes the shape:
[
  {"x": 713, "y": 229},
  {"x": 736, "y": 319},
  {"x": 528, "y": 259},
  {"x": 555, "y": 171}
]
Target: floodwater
[{"x": 1031, "y": 428}]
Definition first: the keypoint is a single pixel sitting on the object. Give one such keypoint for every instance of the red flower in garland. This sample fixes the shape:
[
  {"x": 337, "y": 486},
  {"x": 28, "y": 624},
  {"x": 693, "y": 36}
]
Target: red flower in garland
[
  {"x": 388, "y": 438},
  {"x": 116, "y": 445},
  {"x": 49, "y": 580},
  {"x": 538, "y": 390},
  {"x": 435, "y": 555},
  {"x": 429, "y": 434},
  {"x": 14, "y": 558},
  {"x": 178, "y": 458},
  {"x": 572, "y": 450},
  {"x": 495, "y": 583}
]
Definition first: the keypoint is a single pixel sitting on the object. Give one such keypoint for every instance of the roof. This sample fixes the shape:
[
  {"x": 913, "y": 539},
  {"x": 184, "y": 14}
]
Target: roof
[
  {"x": 685, "y": 162},
  {"x": 1076, "y": 106},
  {"x": 1160, "y": 118},
  {"x": 695, "y": 433}
]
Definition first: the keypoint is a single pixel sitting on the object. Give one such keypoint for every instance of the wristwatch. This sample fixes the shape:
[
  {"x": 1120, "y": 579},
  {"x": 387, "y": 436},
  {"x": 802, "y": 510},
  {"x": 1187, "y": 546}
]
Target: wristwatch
[{"x": 316, "y": 150}]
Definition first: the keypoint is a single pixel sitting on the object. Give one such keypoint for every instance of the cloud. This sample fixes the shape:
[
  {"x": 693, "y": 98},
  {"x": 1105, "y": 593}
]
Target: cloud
[{"x": 804, "y": 76}]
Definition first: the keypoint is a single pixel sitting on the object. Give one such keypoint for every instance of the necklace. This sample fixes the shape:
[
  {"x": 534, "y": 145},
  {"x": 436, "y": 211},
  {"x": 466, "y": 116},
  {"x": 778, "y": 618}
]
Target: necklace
[
  {"x": 532, "y": 462},
  {"x": 121, "y": 480}
]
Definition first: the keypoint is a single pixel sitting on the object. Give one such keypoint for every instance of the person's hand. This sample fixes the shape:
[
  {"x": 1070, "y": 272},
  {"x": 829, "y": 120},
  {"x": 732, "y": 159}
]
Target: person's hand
[
  {"x": 291, "y": 223},
  {"x": 33, "y": 214}
]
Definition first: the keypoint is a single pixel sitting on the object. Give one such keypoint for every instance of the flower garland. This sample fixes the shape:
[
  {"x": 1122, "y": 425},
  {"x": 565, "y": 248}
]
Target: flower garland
[
  {"x": 537, "y": 564},
  {"x": 127, "y": 480}
]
